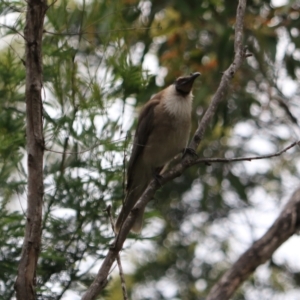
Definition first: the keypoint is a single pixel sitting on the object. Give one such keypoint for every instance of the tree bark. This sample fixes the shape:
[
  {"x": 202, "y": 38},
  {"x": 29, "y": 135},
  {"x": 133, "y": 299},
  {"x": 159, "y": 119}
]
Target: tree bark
[
  {"x": 26, "y": 279},
  {"x": 283, "y": 228}
]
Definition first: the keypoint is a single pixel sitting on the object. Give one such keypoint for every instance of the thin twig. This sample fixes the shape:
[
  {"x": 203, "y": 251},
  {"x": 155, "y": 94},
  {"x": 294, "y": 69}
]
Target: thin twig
[
  {"x": 124, "y": 166},
  {"x": 249, "y": 158},
  {"x": 83, "y": 151},
  {"x": 16, "y": 53},
  {"x": 95, "y": 32},
  {"x": 121, "y": 273},
  {"x": 13, "y": 29},
  {"x": 24, "y": 213},
  {"x": 52, "y": 4}
]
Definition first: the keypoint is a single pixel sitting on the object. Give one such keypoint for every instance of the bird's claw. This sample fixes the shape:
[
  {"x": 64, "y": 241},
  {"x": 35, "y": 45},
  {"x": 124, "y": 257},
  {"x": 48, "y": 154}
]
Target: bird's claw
[
  {"x": 158, "y": 178},
  {"x": 190, "y": 151}
]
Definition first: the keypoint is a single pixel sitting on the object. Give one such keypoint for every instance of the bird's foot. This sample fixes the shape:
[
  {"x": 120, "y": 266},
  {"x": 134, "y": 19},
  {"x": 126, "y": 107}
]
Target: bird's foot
[
  {"x": 112, "y": 246},
  {"x": 158, "y": 178},
  {"x": 189, "y": 151}
]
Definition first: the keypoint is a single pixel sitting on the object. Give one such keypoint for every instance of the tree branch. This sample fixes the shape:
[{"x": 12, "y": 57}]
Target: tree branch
[
  {"x": 285, "y": 226},
  {"x": 101, "y": 279},
  {"x": 121, "y": 273},
  {"x": 247, "y": 158},
  {"x": 240, "y": 54},
  {"x": 64, "y": 152},
  {"x": 82, "y": 32},
  {"x": 26, "y": 279},
  {"x": 13, "y": 29}
]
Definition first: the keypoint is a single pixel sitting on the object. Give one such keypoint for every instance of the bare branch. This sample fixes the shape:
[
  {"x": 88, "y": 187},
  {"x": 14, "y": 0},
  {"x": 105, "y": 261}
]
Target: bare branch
[
  {"x": 284, "y": 227},
  {"x": 85, "y": 150},
  {"x": 52, "y": 4},
  {"x": 283, "y": 103},
  {"x": 123, "y": 283},
  {"x": 97, "y": 32},
  {"x": 249, "y": 158},
  {"x": 240, "y": 54},
  {"x": 14, "y": 30},
  {"x": 101, "y": 279},
  {"x": 26, "y": 279},
  {"x": 121, "y": 273}
]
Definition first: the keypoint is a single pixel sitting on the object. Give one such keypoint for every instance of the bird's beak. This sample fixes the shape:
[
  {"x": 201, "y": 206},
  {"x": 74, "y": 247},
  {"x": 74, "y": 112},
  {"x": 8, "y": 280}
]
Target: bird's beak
[
  {"x": 185, "y": 84},
  {"x": 195, "y": 75}
]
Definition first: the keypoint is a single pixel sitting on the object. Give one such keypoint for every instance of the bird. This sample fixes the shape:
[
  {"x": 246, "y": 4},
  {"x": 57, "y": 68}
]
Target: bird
[{"x": 162, "y": 132}]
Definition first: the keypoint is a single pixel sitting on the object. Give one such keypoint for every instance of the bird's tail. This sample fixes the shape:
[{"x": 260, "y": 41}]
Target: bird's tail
[{"x": 131, "y": 198}]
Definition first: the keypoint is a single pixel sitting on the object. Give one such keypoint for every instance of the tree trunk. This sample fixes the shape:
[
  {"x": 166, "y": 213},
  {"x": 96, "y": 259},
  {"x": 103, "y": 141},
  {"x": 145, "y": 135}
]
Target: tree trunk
[{"x": 26, "y": 279}]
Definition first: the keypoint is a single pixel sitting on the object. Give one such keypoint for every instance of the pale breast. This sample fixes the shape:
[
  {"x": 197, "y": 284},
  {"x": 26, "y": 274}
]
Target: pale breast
[{"x": 169, "y": 136}]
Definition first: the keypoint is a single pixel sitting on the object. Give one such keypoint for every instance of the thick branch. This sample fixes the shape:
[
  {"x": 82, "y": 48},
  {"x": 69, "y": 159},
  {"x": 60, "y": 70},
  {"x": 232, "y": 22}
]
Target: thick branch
[
  {"x": 101, "y": 278},
  {"x": 285, "y": 226},
  {"x": 26, "y": 280}
]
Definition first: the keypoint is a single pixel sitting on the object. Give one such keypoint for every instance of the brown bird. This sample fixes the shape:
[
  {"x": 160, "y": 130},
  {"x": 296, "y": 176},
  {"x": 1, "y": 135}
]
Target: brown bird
[{"x": 162, "y": 132}]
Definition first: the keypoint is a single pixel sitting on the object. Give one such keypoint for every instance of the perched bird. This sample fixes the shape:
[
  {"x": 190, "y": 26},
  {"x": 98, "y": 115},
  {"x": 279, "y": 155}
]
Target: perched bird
[{"x": 162, "y": 132}]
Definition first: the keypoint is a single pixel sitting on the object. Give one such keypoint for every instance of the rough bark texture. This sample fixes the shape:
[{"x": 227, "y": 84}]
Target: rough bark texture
[
  {"x": 26, "y": 279},
  {"x": 284, "y": 227}
]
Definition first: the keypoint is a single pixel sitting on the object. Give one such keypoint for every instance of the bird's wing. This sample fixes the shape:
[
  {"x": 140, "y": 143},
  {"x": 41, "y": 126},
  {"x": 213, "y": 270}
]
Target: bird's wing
[{"x": 143, "y": 131}]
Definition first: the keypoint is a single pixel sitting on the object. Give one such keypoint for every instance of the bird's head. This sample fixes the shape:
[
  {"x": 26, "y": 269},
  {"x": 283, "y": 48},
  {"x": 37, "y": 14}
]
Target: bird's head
[{"x": 184, "y": 85}]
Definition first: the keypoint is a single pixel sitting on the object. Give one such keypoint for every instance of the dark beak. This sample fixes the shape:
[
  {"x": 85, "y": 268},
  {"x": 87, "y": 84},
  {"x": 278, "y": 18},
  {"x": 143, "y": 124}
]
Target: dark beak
[
  {"x": 184, "y": 84},
  {"x": 195, "y": 75}
]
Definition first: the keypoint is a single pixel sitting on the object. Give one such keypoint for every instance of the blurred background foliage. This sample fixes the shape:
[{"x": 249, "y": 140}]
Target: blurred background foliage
[{"x": 102, "y": 61}]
